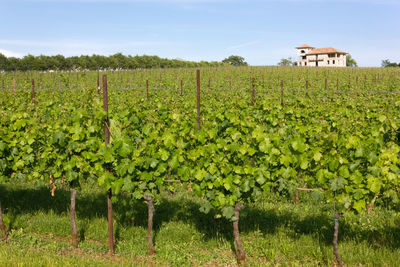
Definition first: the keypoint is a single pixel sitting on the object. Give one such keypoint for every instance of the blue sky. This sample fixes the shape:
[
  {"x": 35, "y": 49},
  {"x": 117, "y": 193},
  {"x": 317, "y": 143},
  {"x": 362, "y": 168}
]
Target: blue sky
[{"x": 262, "y": 32}]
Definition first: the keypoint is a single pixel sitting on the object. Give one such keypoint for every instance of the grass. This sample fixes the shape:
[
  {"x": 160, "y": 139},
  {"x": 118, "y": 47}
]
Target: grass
[{"x": 274, "y": 232}]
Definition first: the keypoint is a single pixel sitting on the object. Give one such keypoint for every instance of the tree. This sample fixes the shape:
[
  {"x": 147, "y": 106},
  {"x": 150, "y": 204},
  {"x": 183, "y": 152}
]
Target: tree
[
  {"x": 287, "y": 62},
  {"x": 386, "y": 63},
  {"x": 3, "y": 62},
  {"x": 235, "y": 61},
  {"x": 59, "y": 62},
  {"x": 350, "y": 62}
]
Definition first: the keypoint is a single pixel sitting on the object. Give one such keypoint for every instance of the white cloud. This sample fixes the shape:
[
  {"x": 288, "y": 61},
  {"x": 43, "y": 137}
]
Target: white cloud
[
  {"x": 84, "y": 47},
  {"x": 9, "y": 53}
]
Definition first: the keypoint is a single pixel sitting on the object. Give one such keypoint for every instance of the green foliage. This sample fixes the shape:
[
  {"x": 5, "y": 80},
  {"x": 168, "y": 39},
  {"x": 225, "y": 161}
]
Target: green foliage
[
  {"x": 343, "y": 142},
  {"x": 351, "y": 62},
  {"x": 95, "y": 62},
  {"x": 235, "y": 61},
  {"x": 287, "y": 62},
  {"x": 386, "y": 64}
]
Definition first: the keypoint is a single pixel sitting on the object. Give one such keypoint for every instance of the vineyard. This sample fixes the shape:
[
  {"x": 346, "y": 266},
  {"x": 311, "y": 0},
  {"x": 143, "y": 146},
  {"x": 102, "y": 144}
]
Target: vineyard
[{"x": 225, "y": 138}]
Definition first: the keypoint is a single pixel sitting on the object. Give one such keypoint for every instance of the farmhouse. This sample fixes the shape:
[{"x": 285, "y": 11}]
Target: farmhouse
[{"x": 320, "y": 57}]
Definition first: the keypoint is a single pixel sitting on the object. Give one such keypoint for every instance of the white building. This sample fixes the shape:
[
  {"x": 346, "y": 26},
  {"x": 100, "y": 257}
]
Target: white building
[{"x": 320, "y": 57}]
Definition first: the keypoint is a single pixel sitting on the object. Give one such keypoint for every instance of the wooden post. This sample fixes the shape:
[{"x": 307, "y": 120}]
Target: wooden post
[
  {"x": 147, "y": 89},
  {"x": 181, "y": 87},
  {"x": 282, "y": 92},
  {"x": 326, "y": 84},
  {"x": 59, "y": 85},
  {"x": 109, "y": 192},
  {"x": 241, "y": 256},
  {"x": 336, "y": 218},
  {"x": 2, "y": 226},
  {"x": 72, "y": 218},
  {"x": 98, "y": 82},
  {"x": 33, "y": 91},
  {"x": 365, "y": 81},
  {"x": 253, "y": 93},
  {"x": 14, "y": 86},
  {"x": 326, "y": 87},
  {"x": 337, "y": 86}
]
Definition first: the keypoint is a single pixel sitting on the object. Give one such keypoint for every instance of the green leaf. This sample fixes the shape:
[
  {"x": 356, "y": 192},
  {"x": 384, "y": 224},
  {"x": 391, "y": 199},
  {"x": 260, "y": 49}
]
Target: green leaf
[
  {"x": 108, "y": 156},
  {"x": 317, "y": 156},
  {"x": 200, "y": 174},
  {"x": 304, "y": 164},
  {"x": 264, "y": 145},
  {"x": 359, "y": 205},
  {"x": 245, "y": 186},
  {"x": 374, "y": 185},
  {"x": 333, "y": 164},
  {"x": 382, "y": 118},
  {"x": 317, "y": 195},
  {"x": 299, "y": 146},
  {"x": 124, "y": 150},
  {"x": 359, "y": 152},
  {"x": 285, "y": 160},
  {"x": 337, "y": 183},
  {"x": 260, "y": 178},
  {"x": 212, "y": 168},
  {"x": 205, "y": 208},
  {"x": 164, "y": 154},
  {"x": 153, "y": 162},
  {"x": 344, "y": 171},
  {"x": 228, "y": 212}
]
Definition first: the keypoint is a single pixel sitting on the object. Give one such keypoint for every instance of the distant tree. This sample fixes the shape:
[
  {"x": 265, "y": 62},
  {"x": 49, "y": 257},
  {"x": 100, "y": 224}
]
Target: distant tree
[
  {"x": 3, "y": 62},
  {"x": 235, "y": 61},
  {"x": 94, "y": 62},
  {"x": 13, "y": 64},
  {"x": 350, "y": 62},
  {"x": 287, "y": 62},
  {"x": 386, "y": 63}
]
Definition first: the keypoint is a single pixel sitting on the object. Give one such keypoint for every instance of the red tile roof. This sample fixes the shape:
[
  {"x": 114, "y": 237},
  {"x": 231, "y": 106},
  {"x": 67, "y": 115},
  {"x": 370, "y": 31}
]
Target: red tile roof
[
  {"x": 305, "y": 46},
  {"x": 327, "y": 50}
]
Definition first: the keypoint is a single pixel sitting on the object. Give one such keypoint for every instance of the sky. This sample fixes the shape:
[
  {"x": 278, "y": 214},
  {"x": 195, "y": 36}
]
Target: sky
[{"x": 261, "y": 31}]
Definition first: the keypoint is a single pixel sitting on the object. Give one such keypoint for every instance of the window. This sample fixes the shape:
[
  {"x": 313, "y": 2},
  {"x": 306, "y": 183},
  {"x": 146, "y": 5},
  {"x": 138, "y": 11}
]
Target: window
[
  {"x": 333, "y": 62},
  {"x": 328, "y": 62},
  {"x": 305, "y": 63},
  {"x": 302, "y": 51},
  {"x": 303, "y": 57}
]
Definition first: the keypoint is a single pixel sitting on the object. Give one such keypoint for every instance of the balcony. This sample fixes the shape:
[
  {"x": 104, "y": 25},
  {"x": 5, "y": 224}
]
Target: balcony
[{"x": 315, "y": 60}]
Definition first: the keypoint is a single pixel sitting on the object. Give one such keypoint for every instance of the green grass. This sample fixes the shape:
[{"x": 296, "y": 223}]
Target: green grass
[{"x": 274, "y": 232}]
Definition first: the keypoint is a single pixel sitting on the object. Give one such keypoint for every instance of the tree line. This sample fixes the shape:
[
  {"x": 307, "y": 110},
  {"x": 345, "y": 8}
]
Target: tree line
[
  {"x": 387, "y": 64},
  {"x": 95, "y": 62}
]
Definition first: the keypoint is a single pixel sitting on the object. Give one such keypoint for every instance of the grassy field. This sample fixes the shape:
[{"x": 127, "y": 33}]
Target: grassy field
[{"x": 273, "y": 233}]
